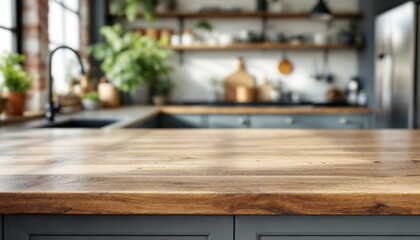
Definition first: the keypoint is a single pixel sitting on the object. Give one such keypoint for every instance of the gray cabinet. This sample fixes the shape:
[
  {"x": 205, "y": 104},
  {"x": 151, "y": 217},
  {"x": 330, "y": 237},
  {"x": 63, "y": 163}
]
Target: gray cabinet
[
  {"x": 311, "y": 121},
  {"x": 228, "y": 121},
  {"x": 327, "y": 228},
  {"x": 297, "y": 121},
  {"x": 66, "y": 227},
  {"x": 182, "y": 121}
]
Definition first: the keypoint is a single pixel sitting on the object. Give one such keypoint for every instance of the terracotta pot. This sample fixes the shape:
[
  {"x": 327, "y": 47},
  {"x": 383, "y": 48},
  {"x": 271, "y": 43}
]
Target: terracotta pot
[
  {"x": 15, "y": 103},
  {"x": 3, "y": 102},
  {"x": 153, "y": 33},
  {"x": 160, "y": 100}
]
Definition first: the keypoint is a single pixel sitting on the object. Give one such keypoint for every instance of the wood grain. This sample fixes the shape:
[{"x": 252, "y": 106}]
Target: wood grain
[
  {"x": 263, "y": 110},
  {"x": 210, "y": 172}
]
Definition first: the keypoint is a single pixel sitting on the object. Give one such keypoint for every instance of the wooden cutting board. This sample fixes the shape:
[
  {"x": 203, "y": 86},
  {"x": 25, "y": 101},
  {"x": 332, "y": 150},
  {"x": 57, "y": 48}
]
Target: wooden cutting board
[
  {"x": 237, "y": 79},
  {"x": 264, "y": 91}
]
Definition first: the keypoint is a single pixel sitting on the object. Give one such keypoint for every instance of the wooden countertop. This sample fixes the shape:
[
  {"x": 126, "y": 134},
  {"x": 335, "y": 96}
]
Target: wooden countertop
[
  {"x": 263, "y": 110},
  {"x": 369, "y": 172},
  {"x": 28, "y": 116}
]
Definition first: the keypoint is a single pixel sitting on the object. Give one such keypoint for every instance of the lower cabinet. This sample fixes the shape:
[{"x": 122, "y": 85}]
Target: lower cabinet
[
  {"x": 66, "y": 227},
  {"x": 327, "y": 228},
  {"x": 70, "y": 227},
  {"x": 299, "y": 121},
  {"x": 228, "y": 121},
  {"x": 311, "y": 121},
  {"x": 182, "y": 121}
]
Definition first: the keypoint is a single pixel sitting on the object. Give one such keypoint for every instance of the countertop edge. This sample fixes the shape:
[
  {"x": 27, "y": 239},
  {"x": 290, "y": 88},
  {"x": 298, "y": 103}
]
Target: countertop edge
[{"x": 211, "y": 203}]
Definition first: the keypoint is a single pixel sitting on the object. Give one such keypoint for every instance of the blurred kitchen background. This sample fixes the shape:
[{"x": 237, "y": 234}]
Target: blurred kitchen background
[{"x": 189, "y": 53}]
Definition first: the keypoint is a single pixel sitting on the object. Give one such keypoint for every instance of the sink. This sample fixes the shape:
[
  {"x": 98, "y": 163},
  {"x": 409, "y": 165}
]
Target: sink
[{"x": 81, "y": 123}]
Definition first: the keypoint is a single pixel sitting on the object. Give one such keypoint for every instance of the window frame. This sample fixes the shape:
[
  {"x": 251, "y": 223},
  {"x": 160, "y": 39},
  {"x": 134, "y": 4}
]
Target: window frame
[
  {"x": 78, "y": 13},
  {"x": 16, "y": 30}
]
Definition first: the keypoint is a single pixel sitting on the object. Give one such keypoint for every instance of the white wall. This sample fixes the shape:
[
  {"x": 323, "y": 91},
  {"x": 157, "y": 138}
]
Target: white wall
[{"x": 192, "y": 77}]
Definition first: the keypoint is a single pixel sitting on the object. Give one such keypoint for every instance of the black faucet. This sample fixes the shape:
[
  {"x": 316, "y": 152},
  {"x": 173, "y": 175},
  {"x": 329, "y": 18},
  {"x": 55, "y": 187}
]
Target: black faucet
[{"x": 50, "y": 107}]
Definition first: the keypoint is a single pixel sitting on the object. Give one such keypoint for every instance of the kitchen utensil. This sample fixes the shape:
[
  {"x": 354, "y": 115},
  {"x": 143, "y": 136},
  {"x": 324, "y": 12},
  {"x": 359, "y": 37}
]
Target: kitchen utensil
[
  {"x": 264, "y": 91},
  {"x": 244, "y": 94},
  {"x": 335, "y": 95},
  {"x": 165, "y": 36},
  {"x": 285, "y": 66},
  {"x": 187, "y": 37},
  {"x": 276, "y": 6},
  {"x": 226, "y": 39},
  {"x": 153, "y": 33},
  {"x": 175, "y": 40},
  {"x": 108, "y": 94},
  {"x": 321, "y": 38},
  {"x": 239, "y": 78}
]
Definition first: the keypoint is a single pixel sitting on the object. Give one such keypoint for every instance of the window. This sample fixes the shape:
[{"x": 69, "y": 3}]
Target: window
[
  {"x": 8, "y": 26},
  {"x": 64, "y": 29}
]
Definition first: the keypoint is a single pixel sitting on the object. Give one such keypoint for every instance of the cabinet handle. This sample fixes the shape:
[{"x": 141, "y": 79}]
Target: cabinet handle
[
  {"x": 241, "y": 121},
  {"x": 290, "y": 121},
  {"x": 344, "y": 121}
]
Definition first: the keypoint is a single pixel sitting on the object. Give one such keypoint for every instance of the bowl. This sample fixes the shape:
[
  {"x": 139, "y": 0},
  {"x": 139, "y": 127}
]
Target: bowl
[{"x": 91, "y": 105}]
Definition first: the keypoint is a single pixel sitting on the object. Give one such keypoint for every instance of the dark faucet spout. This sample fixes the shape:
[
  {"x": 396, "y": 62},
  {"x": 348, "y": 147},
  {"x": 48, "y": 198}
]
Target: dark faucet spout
[{"x": 51, "y": 108}]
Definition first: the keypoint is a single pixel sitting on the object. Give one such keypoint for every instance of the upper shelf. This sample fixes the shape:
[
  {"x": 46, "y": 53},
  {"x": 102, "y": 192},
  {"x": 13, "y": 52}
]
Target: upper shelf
[
  {"x": 266, "y": 46},
  {"x": 221, "y": 14}
]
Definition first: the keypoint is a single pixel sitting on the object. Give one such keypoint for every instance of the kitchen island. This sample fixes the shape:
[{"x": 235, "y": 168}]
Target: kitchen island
[{"x": 210, "y": 184}]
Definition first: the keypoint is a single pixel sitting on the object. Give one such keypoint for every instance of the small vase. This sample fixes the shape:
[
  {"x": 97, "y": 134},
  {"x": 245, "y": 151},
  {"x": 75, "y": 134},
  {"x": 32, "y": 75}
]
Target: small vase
[
  {"x": 15, "y": 103},
  {"x": 160, "y": 100}
]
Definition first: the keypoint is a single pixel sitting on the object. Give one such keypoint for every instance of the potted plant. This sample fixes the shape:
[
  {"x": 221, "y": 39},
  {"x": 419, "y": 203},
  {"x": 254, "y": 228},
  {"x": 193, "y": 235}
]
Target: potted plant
[
  {"x": 91, "y": 101},
  {"x": 161, "y": 90},
  {"x": 204, "y": 29},
  {"x": 129, "y": 8},
  {"x": 3, "y": 100},
  {"x": 16, "y": 81},
  {"x": 130, "y": 60},
  {"x": 348, "y": 35}
]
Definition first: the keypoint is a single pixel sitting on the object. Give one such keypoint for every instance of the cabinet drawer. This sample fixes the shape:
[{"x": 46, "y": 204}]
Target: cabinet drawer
[
  {"x": 327, "y": 228},
  {"x": 118, "y": 227},
  {"x": 310, "y": 121},
  {"x": 182, "y": 121},
  {"x": 228, "y": 121}
]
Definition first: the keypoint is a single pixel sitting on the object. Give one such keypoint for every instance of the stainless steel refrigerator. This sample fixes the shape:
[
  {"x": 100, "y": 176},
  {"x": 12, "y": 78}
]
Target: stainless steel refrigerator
[{"x": 397, "y": 43}]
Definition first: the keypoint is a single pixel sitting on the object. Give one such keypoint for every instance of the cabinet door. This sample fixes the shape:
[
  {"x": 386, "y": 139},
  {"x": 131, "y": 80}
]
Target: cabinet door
[
  {"x": 119, "y": 238},
  {"x": 182, "y": 121},
  {"x": 228, "y": 121},
  {"x": 327, "y": 227},
  {"x": 311, "y": 121},
  {"x": 70, "y": 227}
]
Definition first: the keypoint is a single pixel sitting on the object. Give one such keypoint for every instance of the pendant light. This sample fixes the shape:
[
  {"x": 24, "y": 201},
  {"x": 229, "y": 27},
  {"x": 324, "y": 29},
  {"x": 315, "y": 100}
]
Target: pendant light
[{"x": 321, "y": 12}]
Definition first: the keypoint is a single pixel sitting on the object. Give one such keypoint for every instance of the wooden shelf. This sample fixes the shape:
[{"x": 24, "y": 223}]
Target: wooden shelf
[
  {"x": 300, "y": 15},
  {"x": 268, "y": 46}
]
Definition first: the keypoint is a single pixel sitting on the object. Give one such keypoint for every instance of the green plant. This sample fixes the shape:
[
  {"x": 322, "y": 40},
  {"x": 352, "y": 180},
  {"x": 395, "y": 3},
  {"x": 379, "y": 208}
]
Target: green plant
[
  {"x": 205, "y": 26},
  {"x": 14, "y": 75},
  {"x": 129, "y": 8},
  {"x": 128, "y": 59},
  {"x": 94, "y": 96},
  {"x": 162, "y": 87}
]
